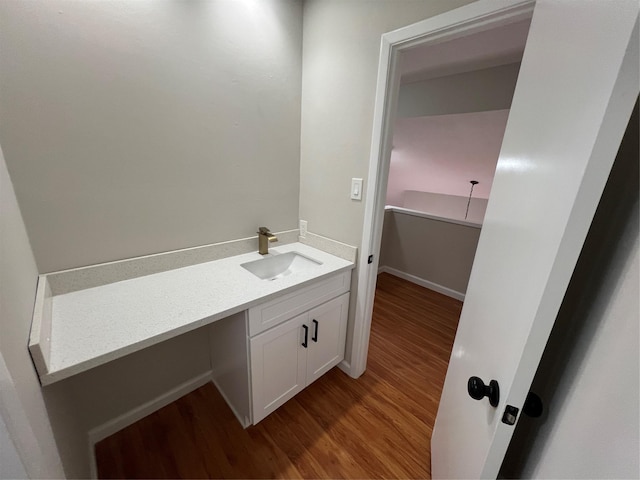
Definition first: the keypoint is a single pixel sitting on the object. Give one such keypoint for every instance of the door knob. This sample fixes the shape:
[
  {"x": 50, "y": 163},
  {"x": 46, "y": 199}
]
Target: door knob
[
  {"x": 478, "y": 390},
  {"x": 533, "y": 405}
]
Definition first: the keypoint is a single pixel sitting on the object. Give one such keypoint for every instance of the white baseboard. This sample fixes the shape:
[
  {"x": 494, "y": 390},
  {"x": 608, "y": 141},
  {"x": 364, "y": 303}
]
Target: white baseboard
[
  {"x": 112, "y": 426},
  {"x": 423, "y": 283},
  {"x": 346, "y": 368}
]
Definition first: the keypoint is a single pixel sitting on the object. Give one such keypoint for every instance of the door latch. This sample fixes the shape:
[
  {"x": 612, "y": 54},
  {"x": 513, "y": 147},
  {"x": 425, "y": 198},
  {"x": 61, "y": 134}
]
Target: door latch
[
  {"x": 510, "y": 415},
  {"x": 532, "y": 408}
]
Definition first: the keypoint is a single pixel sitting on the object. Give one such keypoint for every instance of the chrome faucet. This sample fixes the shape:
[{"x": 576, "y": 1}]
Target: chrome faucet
[{"x": 264, "y": 237}]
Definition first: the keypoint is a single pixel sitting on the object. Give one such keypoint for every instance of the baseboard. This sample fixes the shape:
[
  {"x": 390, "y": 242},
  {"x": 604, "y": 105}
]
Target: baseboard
[
  {"x": 345, "y": 367},
  {"x": 112, "y": 426},
  {"x": 423, "y": 283}
]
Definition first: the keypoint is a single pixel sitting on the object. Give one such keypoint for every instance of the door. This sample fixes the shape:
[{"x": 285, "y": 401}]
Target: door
[
  {"x": 278, "y": 366},
  {"x": 328, "y": 325},
  {"x": 577, "y": 86}
]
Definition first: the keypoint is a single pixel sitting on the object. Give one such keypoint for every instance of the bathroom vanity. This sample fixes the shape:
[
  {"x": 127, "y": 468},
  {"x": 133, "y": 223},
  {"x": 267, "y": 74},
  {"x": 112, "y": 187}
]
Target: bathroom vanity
[{"x": 275, "y": 322}]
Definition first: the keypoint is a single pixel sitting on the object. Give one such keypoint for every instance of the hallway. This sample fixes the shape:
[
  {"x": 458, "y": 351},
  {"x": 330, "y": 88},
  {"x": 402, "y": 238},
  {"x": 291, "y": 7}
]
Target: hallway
[{"x": 377, "y": 426}]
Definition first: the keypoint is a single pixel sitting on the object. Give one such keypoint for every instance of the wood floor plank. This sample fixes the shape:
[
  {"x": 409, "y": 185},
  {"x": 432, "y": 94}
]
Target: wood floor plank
[
  {"x": 312, "y": 448},
  {"x": 378, "y": 426}
]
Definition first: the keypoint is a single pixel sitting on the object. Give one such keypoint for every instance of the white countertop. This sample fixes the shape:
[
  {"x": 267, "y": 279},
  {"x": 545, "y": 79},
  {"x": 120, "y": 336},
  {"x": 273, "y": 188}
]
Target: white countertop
[{"x": 94, "y": 326}]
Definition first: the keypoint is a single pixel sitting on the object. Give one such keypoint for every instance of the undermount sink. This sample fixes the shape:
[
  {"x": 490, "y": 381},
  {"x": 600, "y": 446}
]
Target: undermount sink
[{"x": 276, "y": 266}]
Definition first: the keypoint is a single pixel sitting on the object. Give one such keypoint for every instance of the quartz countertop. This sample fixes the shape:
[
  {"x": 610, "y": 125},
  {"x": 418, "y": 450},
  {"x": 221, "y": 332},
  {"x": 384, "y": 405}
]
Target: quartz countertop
[{"x": 96, "y": 325}]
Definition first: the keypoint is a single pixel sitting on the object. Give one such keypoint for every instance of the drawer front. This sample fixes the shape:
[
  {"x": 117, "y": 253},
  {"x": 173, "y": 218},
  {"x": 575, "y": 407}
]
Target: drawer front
[{"x": 267, "y": 315}]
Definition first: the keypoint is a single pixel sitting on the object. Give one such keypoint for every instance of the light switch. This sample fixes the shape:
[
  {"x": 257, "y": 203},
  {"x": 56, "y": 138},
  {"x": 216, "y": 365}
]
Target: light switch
[{"x": 356, "y": 189}]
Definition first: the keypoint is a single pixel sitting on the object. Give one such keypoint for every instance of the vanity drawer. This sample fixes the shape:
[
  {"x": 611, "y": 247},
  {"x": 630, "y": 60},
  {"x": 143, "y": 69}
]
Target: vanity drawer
[{"x": 271, "y": 313}]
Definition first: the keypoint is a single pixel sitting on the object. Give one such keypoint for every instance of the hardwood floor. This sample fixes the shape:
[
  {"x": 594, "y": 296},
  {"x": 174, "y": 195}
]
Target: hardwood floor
[{"x": 378, "y": 426}]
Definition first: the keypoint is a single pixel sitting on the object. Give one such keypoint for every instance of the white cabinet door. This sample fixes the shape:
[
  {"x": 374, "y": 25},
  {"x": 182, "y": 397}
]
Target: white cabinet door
[
  {"x": 278, "y": 366},
  {"x": 327, "y": 333}
]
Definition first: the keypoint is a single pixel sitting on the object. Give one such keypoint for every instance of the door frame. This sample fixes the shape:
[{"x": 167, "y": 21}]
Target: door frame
[{"x": 476, "y": 17}]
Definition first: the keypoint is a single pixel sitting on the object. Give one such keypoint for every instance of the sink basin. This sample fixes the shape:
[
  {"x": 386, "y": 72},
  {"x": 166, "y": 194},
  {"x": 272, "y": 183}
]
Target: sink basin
[{"x": 276, "y": 266}]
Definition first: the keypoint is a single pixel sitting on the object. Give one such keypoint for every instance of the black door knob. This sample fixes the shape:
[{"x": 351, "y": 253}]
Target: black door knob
[
  {"x": 533, "y": 405},
  {"x": 478, "y": 390}
]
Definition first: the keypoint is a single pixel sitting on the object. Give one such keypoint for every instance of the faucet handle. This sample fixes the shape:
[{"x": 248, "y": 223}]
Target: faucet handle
[{"x": 264, "y": 231}]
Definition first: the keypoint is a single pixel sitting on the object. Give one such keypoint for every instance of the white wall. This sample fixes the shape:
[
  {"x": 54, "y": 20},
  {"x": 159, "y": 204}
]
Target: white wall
[
  {"x": 10, "y": 463},
  {"x": 341, "y": 46},
  {"x": 131, "y": 128},
  {"x": 442, "y": 153},
  {"x": 435, "y": 251},
  {"x": 22, "y": 406},
  {"x": 459, "y": 93}
]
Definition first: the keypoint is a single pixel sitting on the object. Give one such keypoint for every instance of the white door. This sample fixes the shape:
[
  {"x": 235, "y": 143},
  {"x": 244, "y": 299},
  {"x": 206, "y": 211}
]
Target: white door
[
  {"x": 577, "y": 85},
  {"x": 278, "y": 366},
  {"x": 328, "y": 325}
]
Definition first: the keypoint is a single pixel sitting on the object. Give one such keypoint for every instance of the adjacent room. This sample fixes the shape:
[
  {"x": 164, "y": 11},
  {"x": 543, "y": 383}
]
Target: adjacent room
[{"x": 451, "y": 117}]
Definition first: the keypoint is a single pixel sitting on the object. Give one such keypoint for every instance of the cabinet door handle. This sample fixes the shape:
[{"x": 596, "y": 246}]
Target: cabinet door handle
[
  {"x": 315, "y": 335},
  {"x": 306, "y": 335}
]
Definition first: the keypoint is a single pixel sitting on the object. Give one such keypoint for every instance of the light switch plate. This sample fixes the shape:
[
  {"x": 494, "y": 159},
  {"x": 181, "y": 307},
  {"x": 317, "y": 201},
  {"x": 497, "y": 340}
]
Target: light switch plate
[
  {"x": 356, "y": 189},
  {"x": 303, "y": 228}
]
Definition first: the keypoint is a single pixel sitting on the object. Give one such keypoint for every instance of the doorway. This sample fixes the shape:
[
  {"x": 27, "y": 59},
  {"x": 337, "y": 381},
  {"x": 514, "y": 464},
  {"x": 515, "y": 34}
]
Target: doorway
[
  {"x": 449, "y": 124},
  {"x": 429, "y": 62}
]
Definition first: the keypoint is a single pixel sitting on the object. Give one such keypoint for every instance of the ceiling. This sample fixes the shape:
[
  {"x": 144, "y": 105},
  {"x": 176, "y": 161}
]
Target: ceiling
[{"x": 491, "y": 48}]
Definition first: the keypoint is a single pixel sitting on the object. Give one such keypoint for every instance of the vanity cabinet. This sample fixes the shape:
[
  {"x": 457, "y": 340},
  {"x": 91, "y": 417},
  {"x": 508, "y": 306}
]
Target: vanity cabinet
[
  {"x": 301, "y": 347},
  {"x": 264, "y": 356}
]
